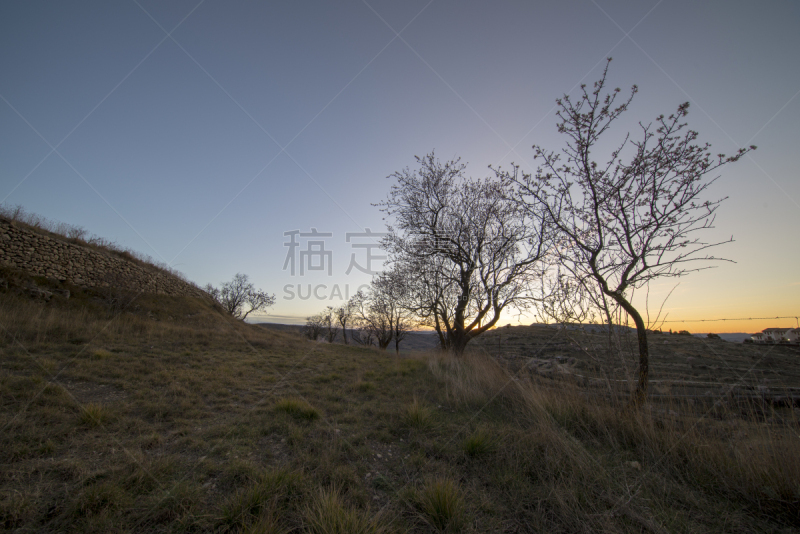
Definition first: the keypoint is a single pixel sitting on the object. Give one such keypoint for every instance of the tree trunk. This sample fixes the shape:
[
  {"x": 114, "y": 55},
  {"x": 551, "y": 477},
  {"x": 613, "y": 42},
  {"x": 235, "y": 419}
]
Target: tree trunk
[
  {"x": 640, "y": 394},
  {"x": 458, "y": 342}
]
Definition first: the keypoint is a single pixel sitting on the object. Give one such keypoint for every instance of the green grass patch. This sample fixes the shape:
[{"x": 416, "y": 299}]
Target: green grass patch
[{"x": 297, "y": 408}]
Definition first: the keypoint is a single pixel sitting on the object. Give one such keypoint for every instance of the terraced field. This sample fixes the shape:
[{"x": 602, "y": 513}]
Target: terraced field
[{"x": 680, "y": 365}]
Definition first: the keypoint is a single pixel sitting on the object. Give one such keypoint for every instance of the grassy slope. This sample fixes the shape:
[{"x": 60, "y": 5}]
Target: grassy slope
[{"x": 175, "y": 418}]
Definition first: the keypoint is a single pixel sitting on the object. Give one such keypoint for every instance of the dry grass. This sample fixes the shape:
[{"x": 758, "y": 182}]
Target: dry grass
[
  {"x": 441, "y": 505},
  {"x": 297, "y": 408},
  {"x": 171, "y": 417},
  {"x": 329, "y": 514}
]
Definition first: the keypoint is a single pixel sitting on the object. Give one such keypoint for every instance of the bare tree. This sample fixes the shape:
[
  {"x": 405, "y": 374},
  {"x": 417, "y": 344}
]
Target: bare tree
[
  {"x": 472, "y": 251},
  {"x": 240, "y": 297},
  {"x": 344, "y": 314},
  {"x": 375, "y": 317},
  {"x": 632, "y": 219},
  {"x": 315, "y": 326},
  {"x": 389, "y": 297},
  {"x": 360, "y": 334},
  {"x": 331, "y": 324}
]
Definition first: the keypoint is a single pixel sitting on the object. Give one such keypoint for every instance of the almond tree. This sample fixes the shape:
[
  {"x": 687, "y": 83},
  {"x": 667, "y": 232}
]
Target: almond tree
[
  {"x": 470, "y": 251},
  {"x": 635, "y": 218}
]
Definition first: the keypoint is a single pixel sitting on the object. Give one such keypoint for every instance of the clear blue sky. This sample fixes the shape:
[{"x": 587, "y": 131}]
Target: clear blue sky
[{"x": 200, "y": 132}]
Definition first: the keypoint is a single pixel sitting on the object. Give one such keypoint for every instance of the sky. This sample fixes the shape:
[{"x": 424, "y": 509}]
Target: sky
[{"x": 210, "y": 135}]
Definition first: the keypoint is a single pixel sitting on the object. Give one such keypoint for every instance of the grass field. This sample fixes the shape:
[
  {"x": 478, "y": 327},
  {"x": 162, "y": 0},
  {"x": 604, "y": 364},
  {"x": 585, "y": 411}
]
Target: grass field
[{"x": 174, "y": 418}]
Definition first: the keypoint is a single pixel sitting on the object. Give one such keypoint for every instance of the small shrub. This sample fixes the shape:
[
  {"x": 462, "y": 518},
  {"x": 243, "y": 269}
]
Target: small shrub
[{"x": 297, "y": 408}]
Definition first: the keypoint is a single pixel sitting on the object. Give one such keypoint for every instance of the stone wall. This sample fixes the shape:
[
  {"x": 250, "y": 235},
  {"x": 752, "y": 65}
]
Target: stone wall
[{"x": 51, "y": 256}]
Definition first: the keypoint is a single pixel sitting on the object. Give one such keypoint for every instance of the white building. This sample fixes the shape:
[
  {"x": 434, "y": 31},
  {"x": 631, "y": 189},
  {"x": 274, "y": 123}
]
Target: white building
[
  {"x": 792, "y": 335},
  {"x": 774, "y": 335},
  {"x": 758, "y": 338}
]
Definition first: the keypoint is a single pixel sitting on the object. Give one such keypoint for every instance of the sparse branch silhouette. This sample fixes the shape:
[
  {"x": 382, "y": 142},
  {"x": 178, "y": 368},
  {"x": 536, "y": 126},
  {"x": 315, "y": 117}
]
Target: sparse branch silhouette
[
  {"x": 240, "y": 297},
  {"x": 638, "y": 216},
  {"x": 472, "y": 251}
]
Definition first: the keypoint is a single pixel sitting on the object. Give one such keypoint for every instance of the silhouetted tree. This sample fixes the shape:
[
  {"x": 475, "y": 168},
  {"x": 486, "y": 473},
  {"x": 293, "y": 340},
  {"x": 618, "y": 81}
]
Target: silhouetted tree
[
  {"x": 388, "y": 296},
  {"x": 375, "y": 319},
  {"x": 471, "y": 250},
  {"x": 360, "y": 334},
  {"x": 331, "y": 324},
  {"x": 344, "y": 314},
  {"x": 240, "y": 297},
  {"x": 315, "y": 326},
  {"x": 634, "y": 218}
]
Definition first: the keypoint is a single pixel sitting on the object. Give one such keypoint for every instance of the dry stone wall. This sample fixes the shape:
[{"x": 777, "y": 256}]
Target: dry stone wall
[{"x": 81, "y": 265}]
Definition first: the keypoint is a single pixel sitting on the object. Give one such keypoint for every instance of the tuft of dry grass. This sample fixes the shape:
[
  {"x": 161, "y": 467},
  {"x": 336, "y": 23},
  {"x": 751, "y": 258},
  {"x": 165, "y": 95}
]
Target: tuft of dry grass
[
  {"x": 441, "y": 504},
  {"x": 297, "y": 408},
  {"x": 95, "y": 414},
  {"x": 479, "y": 442},
  {"x": 257, "y": 507},
  {"x": 418, "y": 415},
  {"x": 329, "y": 514}
]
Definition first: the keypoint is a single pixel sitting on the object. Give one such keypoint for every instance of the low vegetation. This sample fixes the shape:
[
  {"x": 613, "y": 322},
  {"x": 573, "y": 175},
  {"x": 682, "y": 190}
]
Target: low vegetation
[{"x": 172, "y": 416}]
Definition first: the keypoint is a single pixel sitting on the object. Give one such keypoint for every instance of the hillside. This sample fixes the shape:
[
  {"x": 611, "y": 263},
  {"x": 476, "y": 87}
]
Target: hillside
[
  {"x": 153, "y": 410},
  {"x": 60, "y": 262},
  {"x": 165, "y": 415}
]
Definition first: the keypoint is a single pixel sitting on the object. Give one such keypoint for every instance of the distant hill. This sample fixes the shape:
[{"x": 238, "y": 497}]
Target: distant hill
[
  {"x": 737, "y": 337},
  {"x": 587, "y": 327}
]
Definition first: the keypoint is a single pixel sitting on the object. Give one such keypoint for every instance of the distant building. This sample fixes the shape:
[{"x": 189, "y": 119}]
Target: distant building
[
  {"x": 792, "y": 336},
  {"x": 774, "y": 335},
  {"x": 777, "y": 335}
]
